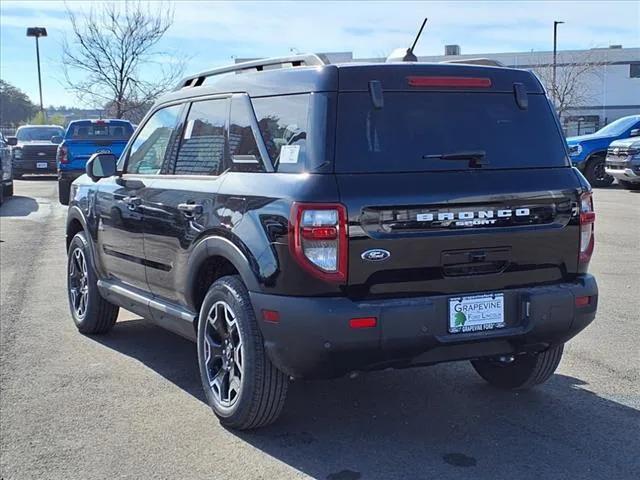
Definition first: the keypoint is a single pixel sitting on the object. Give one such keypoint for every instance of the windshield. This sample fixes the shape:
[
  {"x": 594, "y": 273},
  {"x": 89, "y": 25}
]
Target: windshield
[
  {"x": 100, "y": 131},
  {"x": 31, "y": 134},
  {"x": 618, "y": 127},
  {"x": 424, "y": 131}
]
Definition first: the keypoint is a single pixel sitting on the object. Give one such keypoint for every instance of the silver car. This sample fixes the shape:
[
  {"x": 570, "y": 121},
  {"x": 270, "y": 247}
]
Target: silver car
[
  {"x": 623, "y": 162},
  {"x": 6, "y": 172}
]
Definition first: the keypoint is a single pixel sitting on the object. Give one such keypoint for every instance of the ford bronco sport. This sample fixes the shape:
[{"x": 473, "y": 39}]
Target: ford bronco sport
[{"x": 306, "y": 220}]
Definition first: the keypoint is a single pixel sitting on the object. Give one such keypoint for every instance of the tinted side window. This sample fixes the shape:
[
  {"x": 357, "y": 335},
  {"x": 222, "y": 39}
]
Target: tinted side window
[
  {"x": 203, "y": 141},
  {"x": 150, "y": 146},
  {"x": 243, "y": 148},
  {"x": 283, "y": 123}
]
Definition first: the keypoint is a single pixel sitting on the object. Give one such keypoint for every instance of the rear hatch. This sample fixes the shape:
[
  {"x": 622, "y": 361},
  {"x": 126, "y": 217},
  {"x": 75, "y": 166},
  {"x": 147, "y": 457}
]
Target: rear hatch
[{"x": 456, "y": 181}]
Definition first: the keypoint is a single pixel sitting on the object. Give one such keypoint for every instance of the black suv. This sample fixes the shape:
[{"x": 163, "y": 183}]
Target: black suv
[{"x": 301, "y": 220}]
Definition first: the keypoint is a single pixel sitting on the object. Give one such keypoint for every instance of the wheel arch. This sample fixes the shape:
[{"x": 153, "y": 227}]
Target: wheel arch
[{"x": 75, "y": 223}]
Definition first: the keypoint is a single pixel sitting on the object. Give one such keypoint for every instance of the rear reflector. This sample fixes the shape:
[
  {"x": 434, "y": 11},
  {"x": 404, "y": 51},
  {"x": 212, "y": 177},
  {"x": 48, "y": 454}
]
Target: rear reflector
[
  {"x": 454, "y": 82},
  {"x": 365, "y": 322},
  {"x": 272, "y": 316},
  {"x": 583, "y": 301}
]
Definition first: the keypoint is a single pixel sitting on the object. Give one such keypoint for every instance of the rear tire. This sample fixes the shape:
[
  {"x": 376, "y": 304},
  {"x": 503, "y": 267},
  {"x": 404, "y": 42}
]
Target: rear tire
[
  {"x": 7, "y": 191},
  {"x": 91, "y": 313},
  {"x": 243, "y": 388},
  {"x": 629, "y": 185},
  {"x": 525, "y": 371},
  {"x": 64, "y": 189},
  {"x": 596, "y": 174}
]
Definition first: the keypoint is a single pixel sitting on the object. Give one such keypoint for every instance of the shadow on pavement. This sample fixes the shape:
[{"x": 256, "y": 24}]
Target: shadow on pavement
[
  {"x": 17, "y": 206},
  {"x": 437, "y": 422}
]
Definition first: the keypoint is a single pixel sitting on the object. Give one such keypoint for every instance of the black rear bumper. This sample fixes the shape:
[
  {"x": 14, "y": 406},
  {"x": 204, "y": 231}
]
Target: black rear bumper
[{"x": 313, "y": 339}]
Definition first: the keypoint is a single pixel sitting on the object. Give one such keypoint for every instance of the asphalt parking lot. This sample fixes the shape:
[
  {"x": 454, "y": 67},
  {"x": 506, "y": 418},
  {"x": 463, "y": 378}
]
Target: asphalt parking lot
[{"x": 129, "y": 404}]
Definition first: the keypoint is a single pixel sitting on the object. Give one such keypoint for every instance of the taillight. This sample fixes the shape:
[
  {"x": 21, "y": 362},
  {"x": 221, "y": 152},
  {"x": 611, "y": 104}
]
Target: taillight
[
  {"x": 62, "y": 154},
  {"x": 318, "y": 239},
  {"x": 587, "y": 219},
  {"x": 451, "y": 82}
]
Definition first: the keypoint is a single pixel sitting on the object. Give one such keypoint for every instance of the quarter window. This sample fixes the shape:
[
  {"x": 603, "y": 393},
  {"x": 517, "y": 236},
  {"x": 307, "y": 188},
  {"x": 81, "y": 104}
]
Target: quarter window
[
  {"x": 150, "y": 146},
  {"x": 283, "y": 124},
  {"x": 203, "y": 141}
]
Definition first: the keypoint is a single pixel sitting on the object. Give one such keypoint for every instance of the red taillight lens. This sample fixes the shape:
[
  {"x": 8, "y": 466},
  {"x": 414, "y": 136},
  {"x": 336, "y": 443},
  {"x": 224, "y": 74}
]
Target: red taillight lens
[
  {"x": 582, "y": 301},
  {"x": 451, "y": 82},
  {"x": 318, "y": 239},
  {"x": 63, "y": 156},
  {"x": 587, "y": 220},
  {"x": 365, "y": 322}
]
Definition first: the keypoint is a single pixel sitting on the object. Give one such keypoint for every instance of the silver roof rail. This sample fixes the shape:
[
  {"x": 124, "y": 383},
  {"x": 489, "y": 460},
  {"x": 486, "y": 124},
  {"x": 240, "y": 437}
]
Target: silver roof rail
[
  {"x": 476, "y": 61},
  {"x": 307, "y": 60}
]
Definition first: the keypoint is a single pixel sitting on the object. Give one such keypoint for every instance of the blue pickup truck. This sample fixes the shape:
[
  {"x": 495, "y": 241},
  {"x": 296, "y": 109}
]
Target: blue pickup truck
[
  {"x": 82, "y": 139},
  {"x": 588, "y": 152}
]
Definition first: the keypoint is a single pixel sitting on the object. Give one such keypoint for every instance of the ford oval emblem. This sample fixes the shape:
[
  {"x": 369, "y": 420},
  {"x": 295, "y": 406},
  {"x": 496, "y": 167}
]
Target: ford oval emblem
[{"x": 375, "y": 255}]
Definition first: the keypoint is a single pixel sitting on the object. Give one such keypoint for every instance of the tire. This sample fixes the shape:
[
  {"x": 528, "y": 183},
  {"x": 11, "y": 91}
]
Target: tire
[
  {"x": 629, "y": 185},
  {"x": 64, "y": 188},
  {"x": 98, "y": 315},
  {"x": 243, "y": 388},
  {"x": 596, "y": 174},
  {"x": 7, "y": 190},
  {"x": 525, "y": 371}
]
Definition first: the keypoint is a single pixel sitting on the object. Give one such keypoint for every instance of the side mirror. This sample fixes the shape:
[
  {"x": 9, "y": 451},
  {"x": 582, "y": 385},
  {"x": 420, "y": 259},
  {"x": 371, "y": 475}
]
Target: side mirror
[
  {"x": 12, "y": 141},
  {"x": 57, "y": 139},
  {"x": 635, "y": 132},
  {"x": 101, "y": 165}
]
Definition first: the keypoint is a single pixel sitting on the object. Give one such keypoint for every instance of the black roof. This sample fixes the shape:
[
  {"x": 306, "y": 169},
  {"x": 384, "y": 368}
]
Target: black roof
[{"x": 348, "y": 77}]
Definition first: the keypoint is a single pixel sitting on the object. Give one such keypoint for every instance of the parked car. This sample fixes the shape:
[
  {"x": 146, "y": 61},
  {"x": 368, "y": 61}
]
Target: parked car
[
  {"x": 299, "y": 219},
  {"x": 33, "y": 151},
  {"x": 82, "y": 139},
  {"x": 6, "y": 172},
  {"x": 623, "y": 161},
  {"x": 588, "y": 152}
]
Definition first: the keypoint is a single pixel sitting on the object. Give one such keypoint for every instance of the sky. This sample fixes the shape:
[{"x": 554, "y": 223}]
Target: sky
[{"x": 210, "y": 34}]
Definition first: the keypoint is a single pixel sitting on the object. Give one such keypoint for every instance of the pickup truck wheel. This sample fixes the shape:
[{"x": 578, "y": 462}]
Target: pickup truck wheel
[
  {"x": 522, "y": 371},
  {"x": 596, "y": 174},
  {"x": 629, "y": 185},
  {"x": 64, "y": 188},
  {"x": 91, "y": 313},
  {"x": 244, "y": 389}
]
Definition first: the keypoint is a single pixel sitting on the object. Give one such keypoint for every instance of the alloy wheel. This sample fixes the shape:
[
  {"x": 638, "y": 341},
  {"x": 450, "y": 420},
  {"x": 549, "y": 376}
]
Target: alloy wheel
[
  {"x": 78, "y": 282},
  {"x": 223, "y": 354}
]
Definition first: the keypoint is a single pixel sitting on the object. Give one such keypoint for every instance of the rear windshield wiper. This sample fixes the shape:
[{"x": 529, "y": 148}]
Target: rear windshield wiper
[{"x": 476, "y": 158}]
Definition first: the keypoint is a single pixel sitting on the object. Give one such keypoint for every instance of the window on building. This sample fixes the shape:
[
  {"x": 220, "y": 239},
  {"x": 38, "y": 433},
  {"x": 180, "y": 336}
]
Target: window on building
[
  {"x": 283, "y": 122},
  {"x": 203, "y": 140},
  {"x": 150, "y": 146},
  {"x": 634, "y": 70}
]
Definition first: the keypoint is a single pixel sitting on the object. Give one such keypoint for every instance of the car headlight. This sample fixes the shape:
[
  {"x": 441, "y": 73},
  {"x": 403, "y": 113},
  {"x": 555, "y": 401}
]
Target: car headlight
[
  {"x": 575, "y": 150},
  {"x": 17, "y": 153}
]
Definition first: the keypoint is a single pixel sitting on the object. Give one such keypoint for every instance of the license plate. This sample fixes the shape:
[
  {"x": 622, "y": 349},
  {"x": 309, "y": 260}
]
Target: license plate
[
  {"x": 476, "y": 313},
  {"x": 42, "y": 164}
]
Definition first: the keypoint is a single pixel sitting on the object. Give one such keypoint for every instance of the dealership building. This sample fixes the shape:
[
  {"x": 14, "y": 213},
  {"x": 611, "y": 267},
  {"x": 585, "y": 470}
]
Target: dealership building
[{"x": 610, "y": 85}]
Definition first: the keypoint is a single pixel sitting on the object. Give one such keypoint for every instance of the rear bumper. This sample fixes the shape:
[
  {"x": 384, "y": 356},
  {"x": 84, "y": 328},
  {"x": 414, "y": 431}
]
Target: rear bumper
[
  {"x": 21, "y": 167},
  {"x": 69, "y": 175},
  {"x": 313, "y": 339}
]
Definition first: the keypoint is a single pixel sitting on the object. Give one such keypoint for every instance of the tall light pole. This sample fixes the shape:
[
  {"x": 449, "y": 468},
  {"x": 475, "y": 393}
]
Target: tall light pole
[
  {"x": 555, "y": 53},
  {"x": 38, "y": 32}
]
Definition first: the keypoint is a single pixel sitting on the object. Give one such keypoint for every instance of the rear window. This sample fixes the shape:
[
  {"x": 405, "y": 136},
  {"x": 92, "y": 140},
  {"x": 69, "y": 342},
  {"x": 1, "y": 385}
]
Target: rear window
[
  {"x": 100, "y": 131},
  {"x": 36, "y": 134},
  {"x": 414, "y": 127}
]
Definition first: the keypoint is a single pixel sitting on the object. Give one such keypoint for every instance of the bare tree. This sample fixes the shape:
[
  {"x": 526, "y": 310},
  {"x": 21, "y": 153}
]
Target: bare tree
[
  {"x": 576, "y": 76},
  {"x": 114, "y": 49}
]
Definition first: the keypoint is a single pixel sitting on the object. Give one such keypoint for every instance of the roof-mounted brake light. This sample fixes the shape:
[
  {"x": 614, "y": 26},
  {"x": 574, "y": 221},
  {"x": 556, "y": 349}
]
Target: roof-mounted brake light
[{"x": 450, "y": 82}]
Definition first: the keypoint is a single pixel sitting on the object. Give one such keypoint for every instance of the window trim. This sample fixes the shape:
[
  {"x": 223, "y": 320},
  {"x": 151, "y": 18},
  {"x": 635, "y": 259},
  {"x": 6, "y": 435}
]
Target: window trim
[{"x": 262, "y": 148}]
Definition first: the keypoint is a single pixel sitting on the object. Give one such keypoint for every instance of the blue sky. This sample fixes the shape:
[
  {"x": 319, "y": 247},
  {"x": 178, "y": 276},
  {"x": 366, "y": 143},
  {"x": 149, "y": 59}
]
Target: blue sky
[{"x": 212, "y": 33}]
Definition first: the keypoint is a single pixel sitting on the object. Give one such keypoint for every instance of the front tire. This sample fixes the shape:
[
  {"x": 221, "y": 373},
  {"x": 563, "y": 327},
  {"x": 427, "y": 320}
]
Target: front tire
[
  {"x": 64, "y": 189},
  {"x": 91, "y": 313},
  {"x": 596, "y": 174},
  {"x": 524, "y": 371},
  {"x": 243, "y": 388}
]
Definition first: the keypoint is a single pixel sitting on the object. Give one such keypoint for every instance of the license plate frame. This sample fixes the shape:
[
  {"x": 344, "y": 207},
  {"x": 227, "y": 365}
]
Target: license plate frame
[
  {"x": 42, "y": 165},
  {"x": 476, "y": 313}
]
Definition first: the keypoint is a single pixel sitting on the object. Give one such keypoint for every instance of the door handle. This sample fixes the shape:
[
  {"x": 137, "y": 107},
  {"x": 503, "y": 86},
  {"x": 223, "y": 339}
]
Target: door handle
[{"x": 190, "y": 209}]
